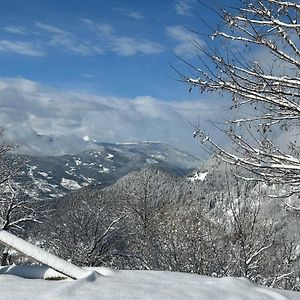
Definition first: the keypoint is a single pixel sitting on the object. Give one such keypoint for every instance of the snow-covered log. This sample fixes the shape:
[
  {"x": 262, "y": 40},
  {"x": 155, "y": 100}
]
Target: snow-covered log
[{"x": 42, "y": 256}]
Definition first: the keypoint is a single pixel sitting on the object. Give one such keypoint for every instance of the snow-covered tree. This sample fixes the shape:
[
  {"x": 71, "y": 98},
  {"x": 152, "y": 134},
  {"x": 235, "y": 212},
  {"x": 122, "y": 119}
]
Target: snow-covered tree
[
  {"x": 18, "y": 212},
  {"x": 16, "y": 208},
  {"x": 83, "y": 229},
  {"x": 140, "y": 195},
  {"x": 253, "y": 56}
]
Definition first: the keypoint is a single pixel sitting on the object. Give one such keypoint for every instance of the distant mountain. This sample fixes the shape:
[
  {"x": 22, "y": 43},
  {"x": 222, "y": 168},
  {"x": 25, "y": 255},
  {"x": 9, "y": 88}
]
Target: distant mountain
[{"x": 52, "y": 176}]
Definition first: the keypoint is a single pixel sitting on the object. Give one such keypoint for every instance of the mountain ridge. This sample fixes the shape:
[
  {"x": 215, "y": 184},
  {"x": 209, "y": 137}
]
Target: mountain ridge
[{"x": 51, "y": 176}]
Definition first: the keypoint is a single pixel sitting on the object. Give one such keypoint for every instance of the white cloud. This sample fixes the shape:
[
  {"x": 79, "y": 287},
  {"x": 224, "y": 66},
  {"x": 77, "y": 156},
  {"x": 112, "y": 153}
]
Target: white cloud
[
  {"x": 67, "y": 41},
  {"x": 122, "y": 45},
  {"x": 18, "y": 47},
  {"x": 30, "y": 111},
  {"x": 101, "y": 29},
  {"x": 50, "y": 28},
  {"x": 186, "y": 41},
  {"x": 129, "y": 13},
  {"x": 102, "y": 39},
  {"x": 15, "y": 30},
  {"x": 135, "y": 15},
  {"x": 184, "y": 7},
  {"x": 87, "y": 75},
  {"x": 127, "y": 46}
]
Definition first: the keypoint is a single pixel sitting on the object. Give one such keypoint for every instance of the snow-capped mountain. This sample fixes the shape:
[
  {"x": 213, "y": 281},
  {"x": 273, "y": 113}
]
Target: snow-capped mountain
[{"x": 52, "y": 176}]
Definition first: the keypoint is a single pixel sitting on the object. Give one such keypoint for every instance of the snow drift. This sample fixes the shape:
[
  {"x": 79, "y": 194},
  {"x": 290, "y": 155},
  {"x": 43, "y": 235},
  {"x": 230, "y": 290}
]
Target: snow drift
[{"x": 135, "y": 285}]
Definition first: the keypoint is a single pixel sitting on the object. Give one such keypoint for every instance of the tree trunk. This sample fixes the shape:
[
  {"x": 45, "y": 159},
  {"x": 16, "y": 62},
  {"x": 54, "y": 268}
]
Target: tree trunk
[{"x": 4, "y": 258}]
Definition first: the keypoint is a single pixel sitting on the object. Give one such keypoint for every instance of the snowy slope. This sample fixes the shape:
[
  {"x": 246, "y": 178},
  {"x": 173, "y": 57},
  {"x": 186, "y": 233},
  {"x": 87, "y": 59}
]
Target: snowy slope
[{"x": 140, "y": 285}]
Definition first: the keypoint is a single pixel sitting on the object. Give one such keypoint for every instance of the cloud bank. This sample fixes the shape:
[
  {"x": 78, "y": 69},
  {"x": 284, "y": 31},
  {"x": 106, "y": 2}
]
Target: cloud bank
[{"x": 50, "y": 121}]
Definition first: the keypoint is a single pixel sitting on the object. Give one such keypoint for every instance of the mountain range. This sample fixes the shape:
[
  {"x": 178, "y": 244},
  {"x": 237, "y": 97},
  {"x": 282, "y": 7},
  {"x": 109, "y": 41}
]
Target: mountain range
[{"x": 51, "y": 176}]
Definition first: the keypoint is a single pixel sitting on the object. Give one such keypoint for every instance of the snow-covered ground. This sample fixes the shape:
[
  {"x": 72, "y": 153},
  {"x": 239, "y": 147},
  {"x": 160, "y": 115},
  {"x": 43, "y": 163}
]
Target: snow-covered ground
[{"x": 131, "y": 285}]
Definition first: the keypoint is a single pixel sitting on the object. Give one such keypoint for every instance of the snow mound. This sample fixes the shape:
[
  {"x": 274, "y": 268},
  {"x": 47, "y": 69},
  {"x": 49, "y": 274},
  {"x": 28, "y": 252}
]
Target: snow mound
[
  {"x": 140, "y": 285},
  {"x": 45, "y": 272},
  {"x": 32, "y": 272}
]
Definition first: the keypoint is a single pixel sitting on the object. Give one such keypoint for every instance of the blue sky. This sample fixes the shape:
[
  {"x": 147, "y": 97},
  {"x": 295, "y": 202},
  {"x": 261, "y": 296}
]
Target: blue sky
[
  {"x": 116, "y": 48},
  {"x": 99, "y": 51}
]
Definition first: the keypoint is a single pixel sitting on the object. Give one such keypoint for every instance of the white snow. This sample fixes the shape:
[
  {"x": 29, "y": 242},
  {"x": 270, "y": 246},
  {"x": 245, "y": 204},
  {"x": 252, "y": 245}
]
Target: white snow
[
  {"x": 88, "y": 164},
  {"x": 88, "y": 180},
  {"x": 133, "y": 143},
  {"x": 45, "y": 272},
  {"x": 86, "y": 138},
  {"x": 31, "y": 169},
  {"x": 132, "y": 285},
  {"x": 158, "y": 156},
  {"x": 71, "y": 171},
  {"x": 56, "y": 195},
  {"x": 104, "y": 170},
  {"x": 198, "y": 176},
  {"x": 77, "y": 161},
  {"x": 42, "y": 256},
  {"x": 70, "y": 184},
  {"x": 96, "y": 154},
  {"x": 109, "y": 156},
  {"x": 32, "y": 272},
  {"x": 151, "y": 161},
  {"x": 44, "y": 174}
]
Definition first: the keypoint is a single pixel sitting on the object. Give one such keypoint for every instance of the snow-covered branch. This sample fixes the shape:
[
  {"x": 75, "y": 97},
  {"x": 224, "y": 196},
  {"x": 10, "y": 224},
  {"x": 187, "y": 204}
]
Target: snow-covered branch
[{"x": 255, "y": 57}]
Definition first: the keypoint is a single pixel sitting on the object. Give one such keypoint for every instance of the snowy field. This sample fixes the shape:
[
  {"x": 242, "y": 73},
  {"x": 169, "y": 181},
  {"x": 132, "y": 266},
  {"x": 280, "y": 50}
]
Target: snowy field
[{"x": 109, "y": 284}]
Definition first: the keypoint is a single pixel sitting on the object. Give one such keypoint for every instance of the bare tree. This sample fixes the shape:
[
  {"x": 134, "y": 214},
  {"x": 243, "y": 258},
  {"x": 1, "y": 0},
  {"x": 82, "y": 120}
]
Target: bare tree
[
  {"x": 17, "y": 213},
  {"x": 17, "y": 210},
  {"x": 9, "y": 167},
  {"x": 183, "y": 239},
  {"x": 251, "y": 233},
  {"x": 254, "y": 56},
  {"x": 141, "y": 195},
  {"x": 87, "y": 225}
]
